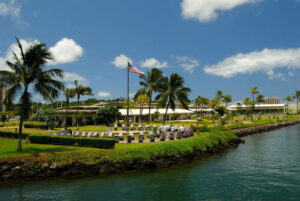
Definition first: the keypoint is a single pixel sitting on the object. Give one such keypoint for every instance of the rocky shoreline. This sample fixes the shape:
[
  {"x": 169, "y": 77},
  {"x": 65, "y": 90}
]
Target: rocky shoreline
[
  {"x": 25, "y": 169},
  {"x": 263, "y": 128}
]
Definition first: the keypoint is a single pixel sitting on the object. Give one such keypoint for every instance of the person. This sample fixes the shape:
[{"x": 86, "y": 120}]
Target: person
[{"x": 49, "y": 131}]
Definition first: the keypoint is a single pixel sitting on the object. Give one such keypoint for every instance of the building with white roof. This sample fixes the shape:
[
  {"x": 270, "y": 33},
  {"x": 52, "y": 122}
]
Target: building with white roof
[{"x": 262, "y": 108}]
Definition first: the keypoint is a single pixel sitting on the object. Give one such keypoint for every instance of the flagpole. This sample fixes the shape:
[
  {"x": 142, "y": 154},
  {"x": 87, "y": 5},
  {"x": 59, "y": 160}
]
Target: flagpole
[{"x": 127, "y": 97}]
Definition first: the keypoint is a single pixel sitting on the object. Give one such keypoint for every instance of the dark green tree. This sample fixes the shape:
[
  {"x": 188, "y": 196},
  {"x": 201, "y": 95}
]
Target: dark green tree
[
  {"x": 171, "y": 91},
  {"x": 80, "y": 90},
  {"x": 149, "y": 83},
  {"x": 27, "y": 71},
  {"x": 107, "y": 115}
]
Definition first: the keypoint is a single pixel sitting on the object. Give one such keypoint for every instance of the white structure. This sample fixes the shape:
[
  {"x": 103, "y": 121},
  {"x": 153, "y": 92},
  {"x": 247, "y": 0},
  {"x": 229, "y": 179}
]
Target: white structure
[{"x": 263, "y": 108}]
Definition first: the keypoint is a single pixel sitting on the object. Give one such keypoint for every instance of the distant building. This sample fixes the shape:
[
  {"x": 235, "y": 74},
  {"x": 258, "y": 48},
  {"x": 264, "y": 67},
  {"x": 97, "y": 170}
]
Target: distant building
[
  {"x": 273, "y": 100},
  {"x": 2, "y": 96}
]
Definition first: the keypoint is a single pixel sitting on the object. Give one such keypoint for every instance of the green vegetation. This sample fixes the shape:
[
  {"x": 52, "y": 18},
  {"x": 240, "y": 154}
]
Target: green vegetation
[
  {"x": 171, "y": 91},
  {"x": 79, "y": 91},
  {"x": 28, "y": 71},
  {"x": 72, "y": 141},
  {"x": 122, "y": 152},
  {"x": 107, "y": 115},
  {"x": 46, "y": 115}
]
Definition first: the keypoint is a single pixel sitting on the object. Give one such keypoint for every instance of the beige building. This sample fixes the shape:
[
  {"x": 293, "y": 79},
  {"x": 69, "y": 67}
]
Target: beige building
[{"x": 273, "y": 100}]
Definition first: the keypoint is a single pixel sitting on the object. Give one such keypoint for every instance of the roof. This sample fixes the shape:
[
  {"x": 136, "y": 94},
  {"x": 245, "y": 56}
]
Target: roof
[
  {"x": 152, "y": 111},
  {"x": 267, "y": 106}
]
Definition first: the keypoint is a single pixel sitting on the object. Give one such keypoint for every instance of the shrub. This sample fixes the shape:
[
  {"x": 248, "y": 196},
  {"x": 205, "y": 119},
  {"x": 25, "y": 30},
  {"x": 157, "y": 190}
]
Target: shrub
[
  {"x": 71, "y": 141},
  {"x": 204, "y": 128},
  {"x": 7, "y": 134},
  {"x": 46, "y": 115},
  {"x": 36, "y": 124},
  {"x": 107, "y": 115}
]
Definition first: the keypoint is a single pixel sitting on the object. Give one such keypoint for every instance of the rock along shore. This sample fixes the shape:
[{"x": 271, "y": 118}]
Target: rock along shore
[{"x": 25, "y": 169}]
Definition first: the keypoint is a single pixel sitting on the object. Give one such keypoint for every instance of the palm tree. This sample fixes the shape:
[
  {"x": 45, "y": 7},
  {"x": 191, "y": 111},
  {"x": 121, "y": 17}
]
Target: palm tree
[
  {"x": 69, "y": 93},
  {"x": 227, "y": 99},
  {"x": 214, "y": 104},
  {"x": 288, "y": 99},
  {"x": 260, "y": 99},
  {"x": 141, "y": 100},
  {"x": 197, "y": 103},
  {"x": 297, "y": 97},
  {"x": 27, "y": 72},
  {"x": 239, "y": 106},
  {"x": 149, "y": 83},
  {"x": 253, "y": 91},
  {"x": 172, "y": 91},
  {"x": 219, "y": 94},
  {"x": 80, "y": 90}
]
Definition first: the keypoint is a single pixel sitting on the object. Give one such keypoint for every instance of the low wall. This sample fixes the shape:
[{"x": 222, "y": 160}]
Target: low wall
[{"x": 263, "y": 128}]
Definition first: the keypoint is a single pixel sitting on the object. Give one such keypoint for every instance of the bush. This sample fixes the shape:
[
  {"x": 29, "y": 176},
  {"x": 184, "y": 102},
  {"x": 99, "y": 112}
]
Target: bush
[
  {"x": 204, "y": 128},
  {"x": 46, "y": 115},
  {"x": 36, "y": 124},
  {"x": 107, "y": 115},
  {"x": 71, "y": 141},
  {"x": 6, "y": 134}
]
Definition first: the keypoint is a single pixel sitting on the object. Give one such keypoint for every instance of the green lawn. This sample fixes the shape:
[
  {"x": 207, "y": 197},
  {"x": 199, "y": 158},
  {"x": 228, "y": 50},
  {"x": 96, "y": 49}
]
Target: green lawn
[
  {"x": 121, "y": 152},
  {"x": 8, "y": 149}
]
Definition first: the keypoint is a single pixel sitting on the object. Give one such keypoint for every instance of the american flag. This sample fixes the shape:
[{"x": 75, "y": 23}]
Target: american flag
[{"x": 134, "y": 69}]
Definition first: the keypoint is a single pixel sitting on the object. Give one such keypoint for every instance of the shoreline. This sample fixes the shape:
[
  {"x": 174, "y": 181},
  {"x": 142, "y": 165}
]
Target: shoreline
[{"x": 23, "y": 169}]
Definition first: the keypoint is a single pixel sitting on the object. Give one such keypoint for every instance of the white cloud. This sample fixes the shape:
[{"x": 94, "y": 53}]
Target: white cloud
[
  {"x": 103, "y": 94},
  {"x": 121, "y": 61},
  {"x": 258, "y": 61},
  {"x": 10, "y": 9},
  {"x": 187, "y": 63},
  {"x": 153, "y": 63},
  {"x": 131, "y": 95},
  {"x": 207, "y": 10},
  {"x": 291, "y": 74},
  {"x": 69, "y": 77},
  {"x": 65, "y": 51}
]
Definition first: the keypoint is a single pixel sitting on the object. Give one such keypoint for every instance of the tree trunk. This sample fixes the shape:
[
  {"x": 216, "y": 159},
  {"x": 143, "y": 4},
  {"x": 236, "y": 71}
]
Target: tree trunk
[
  {"x": 67, "y": 111},
  {"x": 19, "y": 148},
  {"x": 77, "y": 123},
  {"x": 297, "y": 99},
  {"x": 149, "y": 117},
  {"x": 165, "y": 117},
  {"x": 141, "y": 108}
]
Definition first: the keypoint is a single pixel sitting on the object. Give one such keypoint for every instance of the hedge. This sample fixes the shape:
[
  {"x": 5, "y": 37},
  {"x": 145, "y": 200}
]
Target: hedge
[
  {"x": 82, "y": 142},
  {"x": 7, "y": 134},
  {"x": 35, "y": 124}
]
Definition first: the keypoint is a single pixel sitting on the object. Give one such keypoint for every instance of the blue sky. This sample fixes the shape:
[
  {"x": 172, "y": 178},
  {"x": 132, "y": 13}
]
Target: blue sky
[{"x": 228, "y": 45}]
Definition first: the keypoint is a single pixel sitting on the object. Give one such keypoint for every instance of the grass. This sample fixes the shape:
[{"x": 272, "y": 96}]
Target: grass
[{"x": 121, "y": 152}]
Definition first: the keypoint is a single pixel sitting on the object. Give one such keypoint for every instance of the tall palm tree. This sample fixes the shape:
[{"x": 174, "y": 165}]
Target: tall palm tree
[
  {"x": 220, "y": 94},
  {"x": 239, "y": 106},
  {"x": 253, "y": 91},
  {"x": 27, "y": 72},
  {"x": 172, "y": 91},
  {"x": 227, "y": 99},
  {"x": 69, "y": 93},
  {"x": 142, "y": 100},
  {"x": 297, "y": 97},
  {"x": 260, "y": 99},
  {"x": 80, "y": 90},
  {"x": 214, "y": 104},
  {"x": 149, "y": 83},
  {"x": 288, "y": 99}
]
